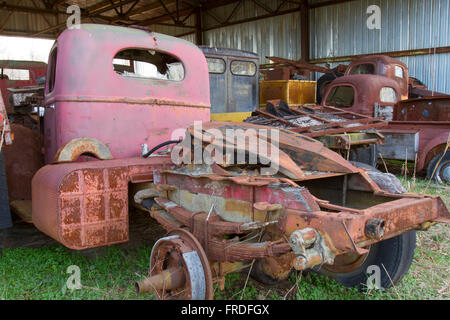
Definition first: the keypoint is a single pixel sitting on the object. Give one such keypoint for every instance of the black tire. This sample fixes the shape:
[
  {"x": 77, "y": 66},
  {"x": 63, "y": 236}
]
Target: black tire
[
  {"x": 259, "y": 275},
  {"x": 442, "y": 173},
  {"x": 323, "y": 82},
  {"x": 393, "y": 255}
]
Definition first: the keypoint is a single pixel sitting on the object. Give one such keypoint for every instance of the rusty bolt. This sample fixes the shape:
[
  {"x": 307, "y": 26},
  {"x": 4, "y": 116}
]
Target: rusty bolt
[
  {"x": 374, "y": 228},
  {"x": 304, "y": 238},
  {"x": 300, "y": 263},
  {"x": 312, "y": 258}
]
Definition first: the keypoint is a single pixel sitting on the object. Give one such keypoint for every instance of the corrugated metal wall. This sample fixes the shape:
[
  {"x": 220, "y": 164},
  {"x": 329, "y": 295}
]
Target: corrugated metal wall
[
  {"x": 274, "y": 36},
  {"x": 341, "y": 30},
  {"x": 277, "y": 36}
]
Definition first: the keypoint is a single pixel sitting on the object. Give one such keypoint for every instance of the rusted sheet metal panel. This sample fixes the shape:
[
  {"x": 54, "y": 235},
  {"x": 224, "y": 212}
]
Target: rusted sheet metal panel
[
  {"x": 423, "y": 109},
  {"x": 431, "y": 135},
  {"x": 296, "y": 150},
  {"x": 400, "y": 145},
  {"x": 85, "y": 205},
  {"x": 132, "y": 108},
  {"x": 316, "y": 121},
  {"x": 235, "y": 201}
]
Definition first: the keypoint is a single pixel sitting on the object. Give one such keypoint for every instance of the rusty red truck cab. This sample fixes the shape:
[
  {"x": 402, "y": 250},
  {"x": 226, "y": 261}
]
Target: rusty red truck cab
[
  {"x": 112, "y": 84},
  {"x": 384, "y": 66},
  {"x": 418, "y": 128}
]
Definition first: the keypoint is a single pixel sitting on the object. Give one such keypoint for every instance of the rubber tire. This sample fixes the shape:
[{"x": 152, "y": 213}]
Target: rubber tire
[
  {"x": 259, "y": 275},
  {"x": 433, "y": 163},
  {"x": 323, "y": 81},
  {"x": 395, "y": 254}
]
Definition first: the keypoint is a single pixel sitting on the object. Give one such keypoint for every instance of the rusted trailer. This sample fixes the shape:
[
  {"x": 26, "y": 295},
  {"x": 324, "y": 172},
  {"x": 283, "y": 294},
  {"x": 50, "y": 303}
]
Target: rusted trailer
[{"x": 299, "y": 206}]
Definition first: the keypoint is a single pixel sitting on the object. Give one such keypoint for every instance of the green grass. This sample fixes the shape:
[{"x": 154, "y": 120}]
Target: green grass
[{"x": 41, "y": 273}]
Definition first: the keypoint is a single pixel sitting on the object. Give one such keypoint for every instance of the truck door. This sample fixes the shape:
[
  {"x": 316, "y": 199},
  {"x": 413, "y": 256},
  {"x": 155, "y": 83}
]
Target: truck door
[
  {"x": 217, "y": 84},
  {"x": 243, "y": 89}
]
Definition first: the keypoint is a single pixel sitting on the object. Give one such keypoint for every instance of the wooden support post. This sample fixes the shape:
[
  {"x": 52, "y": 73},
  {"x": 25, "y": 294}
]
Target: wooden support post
[
  {"x": 304, "y": 34},
  {"x": 198, "y": 27}
]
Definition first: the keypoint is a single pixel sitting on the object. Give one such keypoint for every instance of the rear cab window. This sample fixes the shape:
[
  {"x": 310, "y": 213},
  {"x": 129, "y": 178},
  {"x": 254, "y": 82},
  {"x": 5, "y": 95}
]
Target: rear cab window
[
  {"x": 148, "y": 64},
  {"x": 341, "y": 97},
  {"x": 365, "y": 68}
]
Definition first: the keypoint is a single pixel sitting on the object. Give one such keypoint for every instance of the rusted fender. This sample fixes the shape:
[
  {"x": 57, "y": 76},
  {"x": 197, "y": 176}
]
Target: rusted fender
[{"x": 79, "y": 146}]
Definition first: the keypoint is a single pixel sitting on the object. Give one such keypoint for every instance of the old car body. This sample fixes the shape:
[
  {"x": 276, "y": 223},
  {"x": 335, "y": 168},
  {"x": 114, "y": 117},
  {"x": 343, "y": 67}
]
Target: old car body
[
  {"x": 233, "y": 77},
  {"x": 418, "y": 126},
  {"x": 384, "y": 66}
]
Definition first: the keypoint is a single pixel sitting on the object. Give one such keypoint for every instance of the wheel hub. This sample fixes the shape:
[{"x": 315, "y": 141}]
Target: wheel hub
[{"x": 179, "y": 269}]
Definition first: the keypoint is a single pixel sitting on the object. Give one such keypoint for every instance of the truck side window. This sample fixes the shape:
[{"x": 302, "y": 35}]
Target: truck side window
[
  {"x": 367, "y": 68},
  {"x": 215, "y": 65},
  {"x": 15, "y": 74},
  {"x": 148, "y": 64},
  {"x": 243, "y": 68},
  {"x": 52, "y": 70},
  {"x": 341, "y": 97},
  {"x": 398, "y": 72},
  {"x": 388, "y": 95}
]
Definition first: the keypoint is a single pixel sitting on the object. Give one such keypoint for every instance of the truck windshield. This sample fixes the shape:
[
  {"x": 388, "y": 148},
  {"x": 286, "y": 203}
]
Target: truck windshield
[
  {"x": 341, "y": 97},
  {"x": 215, "y": 65}
]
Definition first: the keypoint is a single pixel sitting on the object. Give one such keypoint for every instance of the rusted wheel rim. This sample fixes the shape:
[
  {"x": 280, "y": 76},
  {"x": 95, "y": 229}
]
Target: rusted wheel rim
[
  {"x": 347, "y": 262},
  {"x": 443, "y": 173},
  {"x": 180, "y": 249}
]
